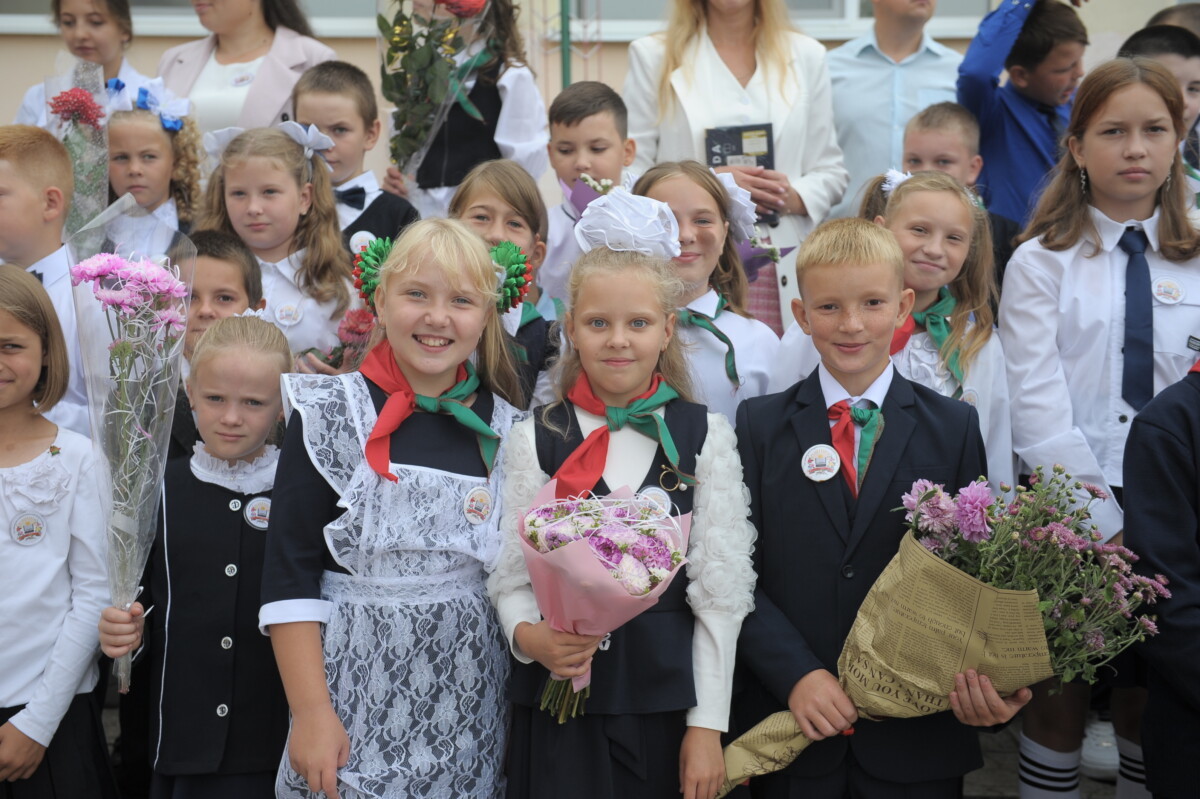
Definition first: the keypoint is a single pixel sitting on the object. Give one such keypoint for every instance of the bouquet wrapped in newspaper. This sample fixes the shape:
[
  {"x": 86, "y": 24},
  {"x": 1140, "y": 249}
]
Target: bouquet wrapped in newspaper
[
  {"x": 595, "y": 563},
  {"x": 131, "y": 387},
  {"x": 428, "y": 49},
  {"x": 78, "y": 98},
  {"x": 1019, "y": 590}
]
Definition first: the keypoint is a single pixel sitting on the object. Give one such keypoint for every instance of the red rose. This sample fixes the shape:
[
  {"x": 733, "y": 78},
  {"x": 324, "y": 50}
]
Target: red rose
[{"x": 78, "y": 106}]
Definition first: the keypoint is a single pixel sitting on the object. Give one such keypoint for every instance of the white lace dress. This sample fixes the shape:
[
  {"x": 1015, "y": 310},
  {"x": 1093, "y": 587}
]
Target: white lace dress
[{"x": 414, "y": 657}]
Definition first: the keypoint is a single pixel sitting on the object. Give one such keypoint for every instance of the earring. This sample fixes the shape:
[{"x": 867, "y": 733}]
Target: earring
[{"x": 1083, "y": 181}]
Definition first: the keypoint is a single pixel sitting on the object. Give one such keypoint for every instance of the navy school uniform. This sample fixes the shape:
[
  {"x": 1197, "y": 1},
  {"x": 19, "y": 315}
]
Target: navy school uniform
[
  {"x": 536, "y": 341},
  {"x": 1162, "y": 525},
  {"x": 642, "y": 678},
  {"x": 462, "y": 141},
  {"x": 386, "y": 217},
  {"x": 819, "y": 551}
]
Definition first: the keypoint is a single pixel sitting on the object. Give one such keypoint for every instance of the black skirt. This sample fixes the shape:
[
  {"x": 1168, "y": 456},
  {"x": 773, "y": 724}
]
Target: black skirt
[
  {"x": 256, "y": 785},
  {"x": 594, "y": 756},
  {"x": 76, "y": 762}
]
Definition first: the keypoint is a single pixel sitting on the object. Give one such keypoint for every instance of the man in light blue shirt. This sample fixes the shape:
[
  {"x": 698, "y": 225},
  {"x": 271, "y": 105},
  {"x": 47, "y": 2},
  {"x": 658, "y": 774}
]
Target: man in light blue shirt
[{"x": 880, "y": 81}]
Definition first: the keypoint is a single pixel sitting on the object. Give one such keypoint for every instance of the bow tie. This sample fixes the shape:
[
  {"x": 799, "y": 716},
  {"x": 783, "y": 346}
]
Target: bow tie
[{"x": 355, "y": 197}]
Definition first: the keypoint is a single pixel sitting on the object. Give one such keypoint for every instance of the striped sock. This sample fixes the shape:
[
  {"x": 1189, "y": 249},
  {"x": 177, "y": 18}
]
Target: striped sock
[
  {"x": 1131, "y": 778},
  {"x": 1046, "y": 774}
]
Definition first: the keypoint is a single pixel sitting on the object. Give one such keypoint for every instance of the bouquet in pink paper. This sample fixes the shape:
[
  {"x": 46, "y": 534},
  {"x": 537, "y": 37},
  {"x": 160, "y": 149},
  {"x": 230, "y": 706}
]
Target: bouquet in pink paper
[{"x": 595, "y": 563}]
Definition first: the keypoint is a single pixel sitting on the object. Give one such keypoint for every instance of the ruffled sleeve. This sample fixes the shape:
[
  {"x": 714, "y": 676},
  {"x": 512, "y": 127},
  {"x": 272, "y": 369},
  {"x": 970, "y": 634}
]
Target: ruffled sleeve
[
  {"x": 508, "y": 584},
  {"x": 720, "y": 572}
]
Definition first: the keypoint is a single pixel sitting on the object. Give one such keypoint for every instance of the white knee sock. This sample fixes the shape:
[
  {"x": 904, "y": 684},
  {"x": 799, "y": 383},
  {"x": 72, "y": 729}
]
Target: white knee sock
[
  {"x": 1046, "y": 774},
  {"x": 1131, "y": 778}
]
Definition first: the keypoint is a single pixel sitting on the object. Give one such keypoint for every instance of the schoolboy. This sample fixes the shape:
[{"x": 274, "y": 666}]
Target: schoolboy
[
  {"x": 36, "y": 186},
  {"x": 1177, "y": 49},
  {"x": 1041, "y": 44},
  {"x": 338, "y": 98},
  {"x": 825, "y": 532},
  {"x": 945, "y": 138},
  {"x": 589, "y": 133}
]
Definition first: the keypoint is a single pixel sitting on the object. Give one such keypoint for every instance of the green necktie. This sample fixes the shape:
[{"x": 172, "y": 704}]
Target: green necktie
[
  {"x": 936, "y": 321},
  {"x": 689, "y": 318},
  {"x": 453, "y": 403}
]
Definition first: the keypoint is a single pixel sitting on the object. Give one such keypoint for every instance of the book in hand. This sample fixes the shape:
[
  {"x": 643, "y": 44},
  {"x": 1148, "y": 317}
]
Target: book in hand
[{"x": 743, "y": 145}]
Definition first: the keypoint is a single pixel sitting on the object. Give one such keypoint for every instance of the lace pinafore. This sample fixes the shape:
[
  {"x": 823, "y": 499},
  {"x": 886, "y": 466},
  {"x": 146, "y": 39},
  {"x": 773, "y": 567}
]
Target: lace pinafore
[{"x": 414, "y": 655}]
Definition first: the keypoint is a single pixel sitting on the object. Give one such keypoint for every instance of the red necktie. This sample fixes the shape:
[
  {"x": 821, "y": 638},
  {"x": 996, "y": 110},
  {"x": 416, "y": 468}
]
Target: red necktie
[{"x": 843, "y": 442}]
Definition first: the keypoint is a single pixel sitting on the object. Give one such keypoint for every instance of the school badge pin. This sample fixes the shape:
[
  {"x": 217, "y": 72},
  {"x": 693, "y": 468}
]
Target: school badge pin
[
  {"x": 658, "y": 496},
  {"x": 477, "y": 505},
  {"x": 288, "y": 315},
  {"x": 820, "y": 462},
  {"x": 258, "y": 512},
  {"x": 1168, "y": 290},
  {"x": 360, "y": 240},
  {"x": 28, "y": 529}
]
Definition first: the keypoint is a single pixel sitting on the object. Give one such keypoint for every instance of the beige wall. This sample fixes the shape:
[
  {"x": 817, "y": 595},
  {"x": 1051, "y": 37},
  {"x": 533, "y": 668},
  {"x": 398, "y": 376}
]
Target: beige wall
[{"x": 25, "y": 60}]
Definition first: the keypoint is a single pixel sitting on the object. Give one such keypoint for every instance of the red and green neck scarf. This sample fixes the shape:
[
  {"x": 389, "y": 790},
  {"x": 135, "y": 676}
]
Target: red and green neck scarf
[{"x": 936, "y": 321}]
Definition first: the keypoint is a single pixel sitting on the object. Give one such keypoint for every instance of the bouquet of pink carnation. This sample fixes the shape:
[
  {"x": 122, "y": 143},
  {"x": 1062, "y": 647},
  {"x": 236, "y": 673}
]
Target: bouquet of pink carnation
[
  {"x": 354, "y": 333},
  {"x": 595, "y": 563}
]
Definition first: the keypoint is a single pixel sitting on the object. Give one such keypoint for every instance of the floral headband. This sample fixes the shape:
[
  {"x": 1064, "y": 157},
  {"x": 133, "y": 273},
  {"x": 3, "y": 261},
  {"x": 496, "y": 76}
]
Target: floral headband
[
  {"x": 622, "y": 221},
  {"x": 308, "y": 137},
  {"x": 153, "y": 97},
  {"x": 741, "y": 213}
]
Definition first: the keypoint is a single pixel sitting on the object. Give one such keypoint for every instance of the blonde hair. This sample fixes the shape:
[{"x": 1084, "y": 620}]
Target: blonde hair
[
  {"x": 849, "y": 242},
  {"x": 509, "y": 181},
  {"x": 1062, "y": 219},
  {"x": 185, "y": 155},
  {"x": 38, "y": 157},
  {"x": 687, "y": 22},
  {"x": 609, "y": 265},
  {"x": 22, "y": 295},
  {"x": 729, "y": 277},
  {"x": 325, "y": 272},
  {"x": 974, "y": 289},
  {"x": 463, "y": 258},
  {"x": 241, "y": 333}
]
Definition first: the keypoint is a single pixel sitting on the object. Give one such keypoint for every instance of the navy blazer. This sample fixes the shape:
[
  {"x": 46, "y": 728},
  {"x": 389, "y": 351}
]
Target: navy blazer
[
  {"x": 819, "y": 552},
  {"x": 1162, "y": 525}
]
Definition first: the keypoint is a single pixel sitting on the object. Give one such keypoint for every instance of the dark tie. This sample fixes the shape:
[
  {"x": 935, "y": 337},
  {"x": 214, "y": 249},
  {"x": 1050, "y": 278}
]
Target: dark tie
[
  {"x": 1137, "y": 377},
  {"x": 1058, "y": 125},
  {"x": 37, "y": 274},
  {"x": 355, "y": 197}
]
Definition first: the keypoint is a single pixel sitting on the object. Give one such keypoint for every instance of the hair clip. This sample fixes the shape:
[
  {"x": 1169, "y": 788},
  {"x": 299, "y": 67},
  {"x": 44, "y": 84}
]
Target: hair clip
[
  {"x": 622, "y": 221},
  {"x": 740, "y": 210},
  {"x": 215, "y": 141},
  {"x": 367, "y": 263},
  {"x": 513, "y": 275},
  {"x": 893, "y": 178},
  {"x": 308, "y": 137}
]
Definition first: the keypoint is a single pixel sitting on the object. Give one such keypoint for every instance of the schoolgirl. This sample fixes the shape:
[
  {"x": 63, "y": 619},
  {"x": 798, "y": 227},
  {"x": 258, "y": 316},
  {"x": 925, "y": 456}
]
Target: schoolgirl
[
  {"x": 661, "y": 684},
  {"x": 500, "y": 202},
  {"x": 271, "y": 188},
  {"x": 384, "y": 526},
  {"x": 949, "y": 343},
  {"x": 218, "y": 714},
  {"x": 1100, "y": 311},
  {"x": 52, "y": 565},
  {"x": 730, "y": 354}
]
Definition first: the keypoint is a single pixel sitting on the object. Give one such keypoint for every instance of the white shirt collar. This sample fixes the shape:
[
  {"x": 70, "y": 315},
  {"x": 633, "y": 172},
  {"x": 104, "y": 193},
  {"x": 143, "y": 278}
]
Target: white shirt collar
[
  {"x": 168, "y": 214},
  {"x": 244, "y": 477},
  {"x": 1110, "y": 231},
  {"x": 706, "y": 303},
  {"x": 876, "y": 392},
  {"x": 367, "y": 180},
  {"x": 54, "y": 267},
  {"x": 927, "y": 46},
  {"x": 288, "y": 266}
]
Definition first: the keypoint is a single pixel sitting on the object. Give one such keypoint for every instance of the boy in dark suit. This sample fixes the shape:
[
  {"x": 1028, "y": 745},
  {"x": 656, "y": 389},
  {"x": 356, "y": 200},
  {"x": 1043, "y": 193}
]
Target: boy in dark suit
[{"x": 824, "y": 475}]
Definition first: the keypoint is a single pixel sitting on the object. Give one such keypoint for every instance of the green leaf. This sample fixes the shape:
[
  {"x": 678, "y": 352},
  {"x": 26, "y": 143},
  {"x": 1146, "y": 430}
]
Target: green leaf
[
  {"x": 385, "y": 30},
  {"x": 422, "y": 58}
]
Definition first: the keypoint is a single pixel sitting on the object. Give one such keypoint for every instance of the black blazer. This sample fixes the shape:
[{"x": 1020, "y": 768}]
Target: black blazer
[
  {"x": 1162, "y": 525},
  {"x": 819, "y": 552}
]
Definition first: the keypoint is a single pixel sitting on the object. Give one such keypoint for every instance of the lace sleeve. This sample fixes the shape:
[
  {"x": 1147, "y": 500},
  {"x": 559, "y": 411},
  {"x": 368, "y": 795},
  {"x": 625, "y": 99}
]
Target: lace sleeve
[{"x": 508, "y": 584}]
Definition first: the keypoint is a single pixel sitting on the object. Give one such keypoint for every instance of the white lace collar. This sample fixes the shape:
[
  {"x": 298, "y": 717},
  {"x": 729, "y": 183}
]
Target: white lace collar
[{"x": 253, "y": 477}]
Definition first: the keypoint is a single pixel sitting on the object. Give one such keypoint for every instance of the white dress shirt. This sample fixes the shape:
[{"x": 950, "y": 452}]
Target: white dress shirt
[
  {"x": 55, "y": 583},
  {"x": 873, "y": 397},
  {"x": 304, "y": 321},
  {"x": 148, "y": 235},
  {"x": 871, "y": 132},
  {"x": 754, "y": 348},
  {"x": 562, "y": 250},
  {"x": 348, "y": 213},
  {"x": 1062, "y": 322},
  {"x": 34, "y": 109},
  {"x": 71, "y": 411}
]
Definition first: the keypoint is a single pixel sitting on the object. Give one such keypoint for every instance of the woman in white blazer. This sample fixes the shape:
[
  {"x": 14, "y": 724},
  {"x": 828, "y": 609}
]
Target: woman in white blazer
[
  {"x": 243, "y": 73},
  {"x": 740, "y": 62}
]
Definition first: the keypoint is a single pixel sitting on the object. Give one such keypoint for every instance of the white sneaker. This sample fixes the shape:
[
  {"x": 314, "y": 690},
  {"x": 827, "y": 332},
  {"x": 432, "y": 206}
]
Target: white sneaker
[{"x": 1100, "y": 759}]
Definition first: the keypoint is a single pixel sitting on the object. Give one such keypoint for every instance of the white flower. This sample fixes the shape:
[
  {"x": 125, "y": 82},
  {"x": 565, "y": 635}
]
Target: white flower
[{"x": 42, "y": 484}]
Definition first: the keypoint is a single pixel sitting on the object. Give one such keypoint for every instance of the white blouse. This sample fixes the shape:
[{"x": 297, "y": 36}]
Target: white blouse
[
  {"x": 719, "y": 570},
  {"x": 220, "y": 92},
  {"x": 52, "y": 567},
  {"x": 304, "y": 321}
]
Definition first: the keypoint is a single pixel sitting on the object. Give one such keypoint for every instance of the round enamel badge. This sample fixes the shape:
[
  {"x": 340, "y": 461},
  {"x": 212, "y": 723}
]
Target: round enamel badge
[
  {"x": 658, "y": 496},
  {"x": 258, "y": 512},
  {"x": 971, "y": 397},
  {"x": 477, "y": 505},
  {"x": 28, "y": 529},
  {"x": 820, "y": 463},
  {"x": 360, "y": 240},
  {"x": 288, "y": 315},
  {"x": 1168, "y": 290}
]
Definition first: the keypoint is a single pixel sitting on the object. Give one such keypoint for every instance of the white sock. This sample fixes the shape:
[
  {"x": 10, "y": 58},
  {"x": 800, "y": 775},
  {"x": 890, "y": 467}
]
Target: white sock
[
  {"x": 1131, "y": 777},
  {"x": 1046, "y": 774}
]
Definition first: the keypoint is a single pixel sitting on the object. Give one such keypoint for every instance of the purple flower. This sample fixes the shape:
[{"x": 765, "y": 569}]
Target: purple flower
[
  {"x": 931, "y": 543},
  {"x": 652, "y": 552},
  {"x": 618, "y": 533},
  {"x": 171, "y": 318},
  {"x": 1093, "y": 640},
  {"x": 913, "y": 498},
  {"x": 971, "y": 511},
  {"x": 95, "y": 267},
  {"x": 1096, "y": 491},
  {"x": 607, "y": 551},
  {"x": 1148, "y": 625},
  {"x": 632, "y": 575},
  {"x": 936, "y": 514}
]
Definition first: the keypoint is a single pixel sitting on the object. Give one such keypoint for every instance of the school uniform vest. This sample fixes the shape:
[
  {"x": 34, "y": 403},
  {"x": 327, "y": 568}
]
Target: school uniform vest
[
  {"x": 386, "y": 217},
  {"x": 462, "y": 142},
  {"x": 646, "y": 665},
  {"x": 207, "y": 570},
  {"x": 536, "y": 349}
]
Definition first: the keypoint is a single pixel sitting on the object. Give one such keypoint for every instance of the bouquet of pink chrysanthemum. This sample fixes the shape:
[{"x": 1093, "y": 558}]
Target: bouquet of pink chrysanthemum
[{"x": 595, "y": 563}]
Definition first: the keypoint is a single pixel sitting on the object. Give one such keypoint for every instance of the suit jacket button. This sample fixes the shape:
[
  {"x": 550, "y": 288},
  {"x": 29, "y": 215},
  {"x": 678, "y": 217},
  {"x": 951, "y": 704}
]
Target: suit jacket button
[
  {"x": 222, "y": 710},
  {"x": 227, "y": 642},
  {"x": 848, "y": 572},
  {"x": 230, "y": 570}
]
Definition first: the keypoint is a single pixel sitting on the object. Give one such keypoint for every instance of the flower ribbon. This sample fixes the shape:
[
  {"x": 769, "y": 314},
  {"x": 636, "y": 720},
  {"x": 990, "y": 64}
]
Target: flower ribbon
[
  {"x": 741, "y": 213},
  {"x": 380, "y": 368},
  {"x": 689, "y": 318},
  {"x": 583, "y": 469},
  {"x": 844, "y": 417},
  {"x": 936, "y": 321}
]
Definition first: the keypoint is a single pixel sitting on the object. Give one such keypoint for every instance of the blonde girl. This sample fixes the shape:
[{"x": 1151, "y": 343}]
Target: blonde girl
[
  {"x": 661, "y": 683},
  {"x": 731, "y": 354},
  {"x": 374, "y": 596},
  {"x": 271, "y": 188},
  {"x": 52, "y": 564},
  {"x": 217, "y": 722},
  {"x": 1097, "y": 316}
]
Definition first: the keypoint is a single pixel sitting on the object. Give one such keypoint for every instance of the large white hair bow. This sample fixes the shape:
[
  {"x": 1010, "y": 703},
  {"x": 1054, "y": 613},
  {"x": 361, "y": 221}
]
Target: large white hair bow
[
  {"x": 741, "y": 213},
  {"x": 623, "y": 221}
]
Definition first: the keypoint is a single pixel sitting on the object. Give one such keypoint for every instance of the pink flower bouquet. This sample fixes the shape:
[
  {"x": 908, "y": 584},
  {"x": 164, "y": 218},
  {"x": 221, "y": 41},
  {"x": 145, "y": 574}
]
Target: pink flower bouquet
[{"x": 595, "y": 563}]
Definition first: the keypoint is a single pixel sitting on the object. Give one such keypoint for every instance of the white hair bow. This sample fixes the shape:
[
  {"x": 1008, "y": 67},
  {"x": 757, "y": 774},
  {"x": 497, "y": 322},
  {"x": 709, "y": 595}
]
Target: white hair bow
[
  {"x": 742, "y": 216},
  {"x": 307, "y": 136},
  {"x": 215, "y": 141},
  {"x": 893, "y": 178},
  {"x": 622, "y": 221}
]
